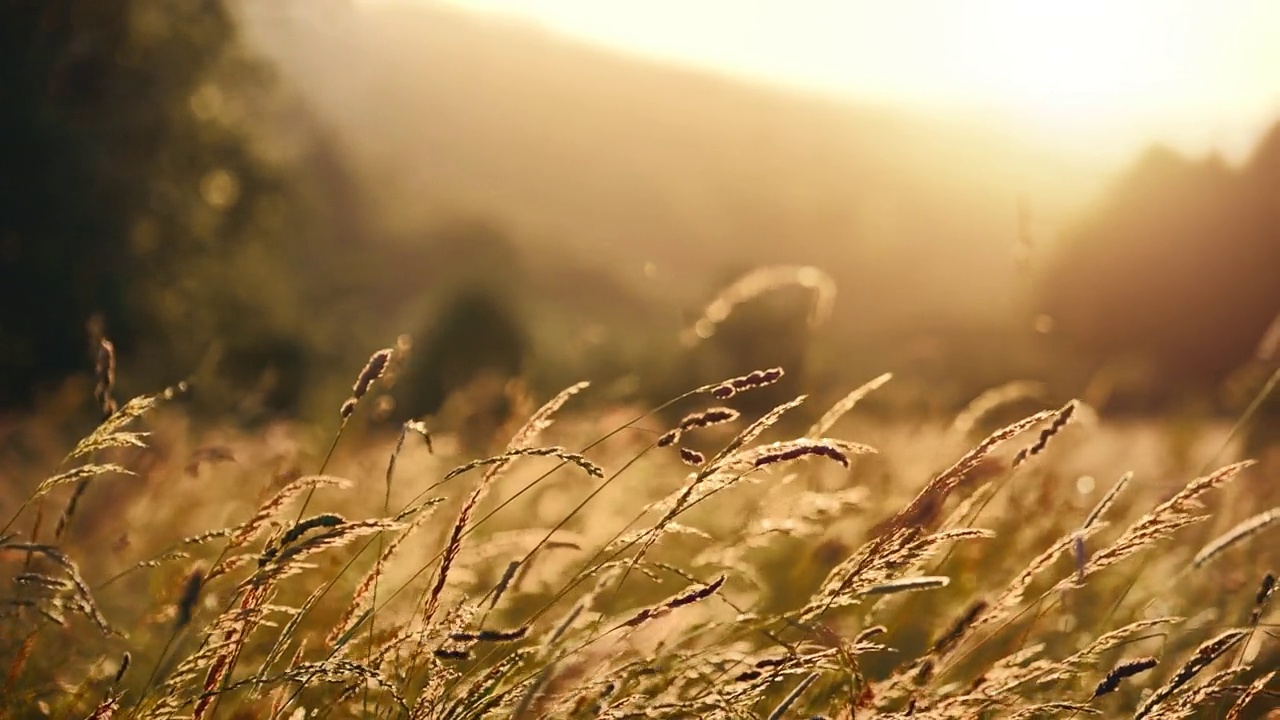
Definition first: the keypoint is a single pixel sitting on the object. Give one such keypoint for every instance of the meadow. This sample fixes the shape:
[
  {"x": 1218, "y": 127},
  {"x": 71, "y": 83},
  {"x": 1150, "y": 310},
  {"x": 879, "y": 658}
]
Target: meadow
[
  {"x": 611, "y": 561},
  {"x": 544, "y": 500}
]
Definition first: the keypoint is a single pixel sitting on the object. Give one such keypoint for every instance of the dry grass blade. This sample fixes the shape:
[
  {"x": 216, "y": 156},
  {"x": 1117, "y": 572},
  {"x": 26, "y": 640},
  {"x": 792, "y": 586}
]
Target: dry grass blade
[
  {"x": 111, "y": 701},
  {"x": 251, "y": 529},
  {"x": 1195, "y": 700},
  {"x": 362, "y": 599},
  {"x": 1204, "y": 656},
  {"x": 411, "y": 425},
  {"x": 86, "y": 604},
  {"x": 758, "y": 282},
  {"x": 1168, "y": 517},
  {"x": 125, "y": 661},
  {"x": 43, "y": 581},
  {"x": 878, "y": 562},
  {"x": 1107, "y": 501},
  {"x": 685, "y": 598},
  {"x": 756, "y": 428},
  {"x": 718, "y": 474},
  {"x": 789, "y": 450},
  {"x": 494, "y": 636},
  {"x": 726, "y": 463},
  {"x": 104, "y": 370},
  {"x": 334, "y": 671},
  {"x": 912, "y": 584},
  {"x": 1093, "y": 653},
  {"x": 963, "y": 514},
  {"x": 299, "y": 529},
  {"x": 929, "y": 501},
  {"x": 111, "y": 433},
  {"x": 846, "y": 404},
  {"x": 867, "y": 634},
  {"x": 504, "y": 582},
  {"x": 993, "y": 399},
  {"x": 286, "y": 635},
  {"x": 1051, "y": 708},
  {"x": 288, "y": 560},
  {"x": 218, "y": 658},
  {"x": 1241, "y": 532},
  {"x": 553, "y": 452},
  {"x": 792, "y": 697},
  {"x": 1014, "y": 593},
  {"x": 1254, "y": 689},
  {"x": 161, "y": 559},
  {"x": 84, "y": 472},
  {"x": 521, "y": 444},
  {"x": 542, "y": 418}
]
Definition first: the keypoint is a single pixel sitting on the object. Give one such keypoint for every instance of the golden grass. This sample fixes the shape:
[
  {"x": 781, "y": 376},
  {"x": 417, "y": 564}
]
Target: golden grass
[{"x": 600, "y": 572}]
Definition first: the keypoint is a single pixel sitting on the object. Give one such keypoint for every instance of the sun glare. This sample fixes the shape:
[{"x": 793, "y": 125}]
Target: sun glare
[
  {"x": 1081, "y": 58},
  {"x": 1120, "y": 71}
]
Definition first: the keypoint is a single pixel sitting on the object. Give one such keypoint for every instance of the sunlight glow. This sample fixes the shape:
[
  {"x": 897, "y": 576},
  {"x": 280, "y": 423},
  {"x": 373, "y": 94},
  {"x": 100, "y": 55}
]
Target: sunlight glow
[
  {"x": 1080, "y": 72},
  {"x": 1069, "y": 57}
]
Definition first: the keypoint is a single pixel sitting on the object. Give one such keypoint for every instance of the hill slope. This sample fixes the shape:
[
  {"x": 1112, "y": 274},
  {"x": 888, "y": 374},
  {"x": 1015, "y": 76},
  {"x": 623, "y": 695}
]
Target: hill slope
[{"x": 623, "y": 162}]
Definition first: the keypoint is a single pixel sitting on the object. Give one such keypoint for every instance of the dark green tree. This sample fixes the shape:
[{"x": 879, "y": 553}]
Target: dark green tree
[{"x": 133, "y": 185}]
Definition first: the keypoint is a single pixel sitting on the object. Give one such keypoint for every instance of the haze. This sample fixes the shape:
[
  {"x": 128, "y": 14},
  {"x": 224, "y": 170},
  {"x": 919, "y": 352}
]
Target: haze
[
  {"x": 946, "y": 168},
  {"x": 1098, "y": 77}
]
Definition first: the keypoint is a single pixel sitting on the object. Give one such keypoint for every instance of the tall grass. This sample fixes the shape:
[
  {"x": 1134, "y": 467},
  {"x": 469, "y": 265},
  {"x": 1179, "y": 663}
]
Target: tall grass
[{"x": 700, "y": 570}]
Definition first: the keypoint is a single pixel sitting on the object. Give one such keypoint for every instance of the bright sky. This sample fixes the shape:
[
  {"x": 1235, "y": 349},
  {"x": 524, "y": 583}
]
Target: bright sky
[{"x": 1096, "y": 76}]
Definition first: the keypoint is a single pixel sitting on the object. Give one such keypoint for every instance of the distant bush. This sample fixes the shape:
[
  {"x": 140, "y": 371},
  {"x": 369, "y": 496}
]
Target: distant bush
[{"x": 1176, "y": 269}]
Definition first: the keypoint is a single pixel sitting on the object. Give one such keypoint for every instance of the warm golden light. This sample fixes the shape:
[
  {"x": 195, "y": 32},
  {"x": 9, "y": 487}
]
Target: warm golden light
[
  {"x": 1079, "y": 73},
  {"x": 1073, "y": 59}
]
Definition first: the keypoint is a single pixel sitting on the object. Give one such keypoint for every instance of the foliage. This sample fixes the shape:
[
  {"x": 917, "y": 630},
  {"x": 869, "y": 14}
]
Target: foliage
[
  {"x": 136, "y": 190},
  {"x": 1176, "y": 267}
]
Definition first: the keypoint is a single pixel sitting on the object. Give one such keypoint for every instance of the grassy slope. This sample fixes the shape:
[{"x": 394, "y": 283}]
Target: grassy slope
[{"x": 622, "y": 162}]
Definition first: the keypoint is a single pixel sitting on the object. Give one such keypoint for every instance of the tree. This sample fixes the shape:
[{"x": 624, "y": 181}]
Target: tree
[
  {"x": 1177, "y": 267},
  {"x": 134, "y": 186}
]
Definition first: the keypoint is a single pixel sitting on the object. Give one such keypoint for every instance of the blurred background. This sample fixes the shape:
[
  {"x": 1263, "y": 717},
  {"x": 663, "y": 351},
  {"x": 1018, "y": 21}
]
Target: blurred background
[{"x": 253, "y": 195}]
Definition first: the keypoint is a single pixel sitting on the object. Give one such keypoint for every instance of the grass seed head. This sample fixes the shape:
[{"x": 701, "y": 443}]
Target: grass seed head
[
  {"x": 372, "y": 371},
  {"x": 1126, "y": 669}
]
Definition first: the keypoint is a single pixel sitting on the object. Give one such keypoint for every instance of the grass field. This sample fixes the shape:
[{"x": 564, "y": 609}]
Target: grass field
[{"x": 609, "y": 562}]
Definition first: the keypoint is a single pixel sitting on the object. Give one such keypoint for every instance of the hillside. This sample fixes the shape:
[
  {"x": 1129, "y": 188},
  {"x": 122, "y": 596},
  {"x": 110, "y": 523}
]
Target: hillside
[{"x": 621, "y": 162}]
